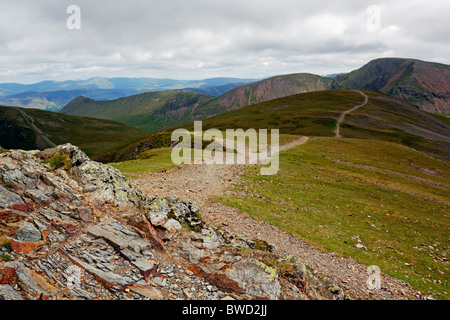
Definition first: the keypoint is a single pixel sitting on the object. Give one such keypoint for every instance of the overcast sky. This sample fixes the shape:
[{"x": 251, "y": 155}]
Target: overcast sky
[{"x": 196, "y": 39}]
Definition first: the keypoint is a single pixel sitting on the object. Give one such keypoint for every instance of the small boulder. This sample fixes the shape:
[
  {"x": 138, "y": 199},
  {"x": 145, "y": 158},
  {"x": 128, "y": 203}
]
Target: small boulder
[{"x": 27, "y": 232}]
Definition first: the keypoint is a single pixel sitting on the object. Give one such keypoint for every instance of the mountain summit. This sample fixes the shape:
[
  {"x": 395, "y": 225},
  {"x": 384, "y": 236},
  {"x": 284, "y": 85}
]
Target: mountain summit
[{"x": 425, "y": 84}]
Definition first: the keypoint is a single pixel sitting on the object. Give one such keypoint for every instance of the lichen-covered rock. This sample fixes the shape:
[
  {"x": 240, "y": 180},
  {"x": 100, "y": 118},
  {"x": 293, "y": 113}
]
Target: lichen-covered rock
[
  {"x": 256, "y": 278},
  {"x": 107, "y": 183},
  {"x": 162, "y": 210},
  {"x": 100, "y": 181},
  {"x": 76, "y": 155},
  {"x": 158, "y": 211}
]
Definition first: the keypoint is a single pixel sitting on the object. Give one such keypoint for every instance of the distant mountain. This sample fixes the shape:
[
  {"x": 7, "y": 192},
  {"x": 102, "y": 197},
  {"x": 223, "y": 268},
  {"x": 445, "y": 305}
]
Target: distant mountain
[
  {"x": 425, "y": 84},
  {"x": 268, "y": 89},
  {"x": 38, "y": 129},
  {"x": 55, "y": 100},
  {"x": 54, "y": 95},
  {"x": 151, "y": 111},
  {"x": 159, "y": 110},
  {"x": 147, "y": 84},
  {"x": 421, "y": 83},
  {"x": 333, "y": 75}
]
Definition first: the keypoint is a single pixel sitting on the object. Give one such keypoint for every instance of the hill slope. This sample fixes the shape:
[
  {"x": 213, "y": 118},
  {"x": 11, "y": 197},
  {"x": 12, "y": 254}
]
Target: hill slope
[
  {"x": 38, "y": 129},
  {"x": 421, "y": 83},
  {"x": 150, "y": 111},
  {"x": 316, "y": 114},
  {"x": 268, "y": 89}
]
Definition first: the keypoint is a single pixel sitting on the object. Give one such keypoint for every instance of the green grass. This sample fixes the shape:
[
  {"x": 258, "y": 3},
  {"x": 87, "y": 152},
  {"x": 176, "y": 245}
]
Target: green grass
[
  {"x": 153, "y": 160},
  {"x": 333, "y": 192},
  {"x": 159, "y": 159},
  {"x": 5, "y": 257},
  {"x": 59, "y": 161}
]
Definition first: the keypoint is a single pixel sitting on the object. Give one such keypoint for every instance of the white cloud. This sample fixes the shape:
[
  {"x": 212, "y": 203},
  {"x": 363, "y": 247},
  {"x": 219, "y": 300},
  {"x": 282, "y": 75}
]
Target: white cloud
[{"x": 203, "y": 38}]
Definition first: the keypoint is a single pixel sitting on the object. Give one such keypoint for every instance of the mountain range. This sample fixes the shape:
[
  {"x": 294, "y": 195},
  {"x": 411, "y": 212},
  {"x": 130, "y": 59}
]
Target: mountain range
[
  {"x": 423, "y": 84},
  {"x": 54, "y": 95},
  {"x": 362, "y": 180},
  {"x": 404, "y": 89}
]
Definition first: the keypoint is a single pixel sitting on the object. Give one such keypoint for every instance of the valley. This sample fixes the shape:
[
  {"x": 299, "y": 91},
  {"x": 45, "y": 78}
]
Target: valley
[{"x": 363, "y": 179}]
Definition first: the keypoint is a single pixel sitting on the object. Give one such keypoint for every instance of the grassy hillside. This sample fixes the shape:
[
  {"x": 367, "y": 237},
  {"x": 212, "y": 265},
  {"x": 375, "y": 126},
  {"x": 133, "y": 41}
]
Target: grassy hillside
[
  {"x": 337, "y": 193},
  {"x": 94, "y": 136},
  {"x": 149, "y": 112},
  {"x": 316, "y": 114},
  {"x": 155, "y": 111}
]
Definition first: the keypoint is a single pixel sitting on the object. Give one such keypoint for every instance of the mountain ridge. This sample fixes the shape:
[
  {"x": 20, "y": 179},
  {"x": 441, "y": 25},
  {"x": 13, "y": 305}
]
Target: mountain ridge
[
  {"x": 32, "y": 129},
  {"x": 422, "y": 83}
]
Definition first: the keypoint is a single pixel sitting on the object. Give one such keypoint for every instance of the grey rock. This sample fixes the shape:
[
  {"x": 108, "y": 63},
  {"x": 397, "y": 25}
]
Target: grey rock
[
  {"x": 33, "y": 284},
  {"x": 37, "y": 196},
  {"x": 8, "y": 198},
  {"x": 120, "y": 239},
  {"x": 138, "y": 260},
  {"x": 8, "y": 293},
  {"x": 108, "y": 276},
  {"x": 255, "y": 278},
  {"x": 56, "y": 236},
  {"x": 83, "y": 293},
  {"x": 192, "y": 254},
  {"x": 13, "y": 176},
  {"x": 159, "y": 281},
  {"x": 194, "y": 208},
  {"x": 161, "y": 210},
  {"x": 147, "y": 291},
  {"x": 106, "y": 183},
  {"x": 172, "y": 225},
  {"x": 158, "y": 211},
  {"x": 27, "y": 232}
]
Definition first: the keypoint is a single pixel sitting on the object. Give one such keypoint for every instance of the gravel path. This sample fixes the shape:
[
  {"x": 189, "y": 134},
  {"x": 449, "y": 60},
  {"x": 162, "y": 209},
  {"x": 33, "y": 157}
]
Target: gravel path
[
  {"x": 202, "y": 182},
  {"x": 343, "y": 114}
]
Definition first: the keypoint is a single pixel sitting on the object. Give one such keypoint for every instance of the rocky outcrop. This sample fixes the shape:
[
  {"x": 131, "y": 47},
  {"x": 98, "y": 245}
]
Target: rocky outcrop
[{"x": 72, "y": 228}]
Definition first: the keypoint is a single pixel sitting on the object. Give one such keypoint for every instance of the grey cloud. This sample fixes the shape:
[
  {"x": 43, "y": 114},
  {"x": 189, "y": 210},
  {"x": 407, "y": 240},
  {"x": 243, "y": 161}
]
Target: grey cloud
[{"x": 202, "y": 38}]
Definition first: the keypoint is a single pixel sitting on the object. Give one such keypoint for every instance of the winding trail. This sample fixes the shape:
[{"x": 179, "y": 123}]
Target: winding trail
[
  {"x": 203, "y": 182},
  {"x": 30, "y": 121},
  {"x": 343, "y": 114}
]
